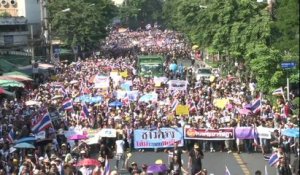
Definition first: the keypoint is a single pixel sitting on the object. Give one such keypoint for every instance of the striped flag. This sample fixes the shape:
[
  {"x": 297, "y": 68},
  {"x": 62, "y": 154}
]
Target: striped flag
[
  {"x": 256, "y": 105},
  {"x": 67, "y": 104},
  {"x": 227, "y": 172},
  {"x": 274, "y": 158},
  {"x": 174, "y": 105},
  {"x": 42, "y": 124},
  {"x": 106, "y": 168},
  {"x": 85, "y": 111},
  {"x": 11, "y": 136},
  {"x": 278, "y": 91}
]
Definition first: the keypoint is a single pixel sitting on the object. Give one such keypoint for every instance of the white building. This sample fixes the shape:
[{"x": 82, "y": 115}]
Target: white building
[{"x": 17, "y": 17}]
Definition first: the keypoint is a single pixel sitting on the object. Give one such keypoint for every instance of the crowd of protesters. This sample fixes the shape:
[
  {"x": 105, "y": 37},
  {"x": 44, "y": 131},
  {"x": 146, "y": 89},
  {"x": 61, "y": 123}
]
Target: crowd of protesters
[{"x": 57, "y": 155}]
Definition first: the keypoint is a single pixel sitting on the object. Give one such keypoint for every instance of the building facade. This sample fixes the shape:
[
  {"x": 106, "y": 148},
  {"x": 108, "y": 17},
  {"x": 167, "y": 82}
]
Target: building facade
[{"x": 20, "y": 25}]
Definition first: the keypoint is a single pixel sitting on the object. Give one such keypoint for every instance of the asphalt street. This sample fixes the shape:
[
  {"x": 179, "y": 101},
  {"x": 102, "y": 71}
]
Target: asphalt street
[{"x": 238, "y": 164}]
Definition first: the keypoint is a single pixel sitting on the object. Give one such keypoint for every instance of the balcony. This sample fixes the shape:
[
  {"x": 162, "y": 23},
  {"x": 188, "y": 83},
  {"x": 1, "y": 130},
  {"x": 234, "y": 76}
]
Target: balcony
[{"x": 14, "y": 39}]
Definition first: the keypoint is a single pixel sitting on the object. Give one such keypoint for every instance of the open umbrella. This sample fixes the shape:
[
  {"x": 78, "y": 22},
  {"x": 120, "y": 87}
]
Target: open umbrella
[
  {"x": 15, "y": 77},
  {"x": 157, "y": 168},
  {"x": 78, "y": 137},
  {"x": 2, "y": 91},
  {"x": 12, "y": 83},
  {"x": 88, "y": 162},
  {"x": 115, "y": 104},
  {"x": 244, "y": 111},
  {"x": 26, "y": 139},
  {"x": 291, "y": 132},
  {"x": 16, "y": 73},
  {"x": 24, "y": 145}
]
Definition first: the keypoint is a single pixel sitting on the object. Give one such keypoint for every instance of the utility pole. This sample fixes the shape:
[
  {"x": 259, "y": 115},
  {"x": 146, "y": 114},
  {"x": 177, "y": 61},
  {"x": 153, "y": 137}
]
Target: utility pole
[{"x": 32, "y": 44}]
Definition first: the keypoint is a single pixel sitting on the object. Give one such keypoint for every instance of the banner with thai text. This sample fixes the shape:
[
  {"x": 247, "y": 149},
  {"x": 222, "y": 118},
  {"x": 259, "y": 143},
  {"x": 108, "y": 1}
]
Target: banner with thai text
[
  {"x": 101, "y": 81},
  {"x": 180, "y": 85},
  {"x": 107, "y": 132},
  {"x": 158, "y": 138},
  {"x": 209, "y": 134}
]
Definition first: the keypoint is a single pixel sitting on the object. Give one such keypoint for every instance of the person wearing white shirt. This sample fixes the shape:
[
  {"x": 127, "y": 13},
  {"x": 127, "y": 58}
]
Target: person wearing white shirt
[{"x": 120, "y": 143}]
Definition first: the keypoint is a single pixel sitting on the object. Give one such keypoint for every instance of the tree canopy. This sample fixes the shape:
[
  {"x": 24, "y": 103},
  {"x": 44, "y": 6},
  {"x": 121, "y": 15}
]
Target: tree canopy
[{"x": 84, "y": 24}]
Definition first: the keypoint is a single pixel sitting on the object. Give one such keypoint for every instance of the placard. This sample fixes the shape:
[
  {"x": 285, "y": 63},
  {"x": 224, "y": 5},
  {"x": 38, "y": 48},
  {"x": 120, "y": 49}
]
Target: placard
[
  {"x": 209, "y": 134},
  {"x": 158, "y": 138},
  {"x": 182, "y": 110}
]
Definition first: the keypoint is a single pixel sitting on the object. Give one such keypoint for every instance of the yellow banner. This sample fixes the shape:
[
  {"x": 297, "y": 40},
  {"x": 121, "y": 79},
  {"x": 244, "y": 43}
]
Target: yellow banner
[{"x": 182, "y": 110}]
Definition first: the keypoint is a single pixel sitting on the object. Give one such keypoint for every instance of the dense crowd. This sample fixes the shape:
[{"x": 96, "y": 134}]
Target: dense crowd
[{"x": 60, "y": 98}]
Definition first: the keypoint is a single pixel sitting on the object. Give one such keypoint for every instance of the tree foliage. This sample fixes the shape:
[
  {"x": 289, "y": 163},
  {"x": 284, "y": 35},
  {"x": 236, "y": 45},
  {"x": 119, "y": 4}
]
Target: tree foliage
[
  {"x": 243, "y": 31},
  {"x": 85, "y": 23}
]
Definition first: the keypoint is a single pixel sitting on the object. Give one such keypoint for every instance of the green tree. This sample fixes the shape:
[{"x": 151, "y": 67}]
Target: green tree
[{"x": 85, "y": 23}]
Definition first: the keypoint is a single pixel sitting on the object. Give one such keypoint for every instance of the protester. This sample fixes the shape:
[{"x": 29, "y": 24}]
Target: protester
[{"x": 106, "y": 96}]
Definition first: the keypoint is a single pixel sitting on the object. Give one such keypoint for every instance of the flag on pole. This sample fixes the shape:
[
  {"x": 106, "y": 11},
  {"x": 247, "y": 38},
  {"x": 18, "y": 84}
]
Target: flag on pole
[
  {"x": 174, "y": 105},
  {"x": 85, "y": 111},
  {"x": 106, "y": 168},
  {"x": 256, "y": 105},
  {"x": 42, "y": 124},
  {"x": 278, "y": 91},
  {"x": 273, "y": 159},
  {"x": 11, "y": 136},
  {"x": 68, "y": 104},
  {"x": 266, "y": 170},
  {"x": 227, "y": 171}
]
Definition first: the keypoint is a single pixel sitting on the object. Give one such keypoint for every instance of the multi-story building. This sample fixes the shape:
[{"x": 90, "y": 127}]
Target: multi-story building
[{"x": 20, "y": 24}]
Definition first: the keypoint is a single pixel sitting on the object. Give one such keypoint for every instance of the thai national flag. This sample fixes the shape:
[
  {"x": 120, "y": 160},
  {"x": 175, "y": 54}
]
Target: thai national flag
[
  {"x": 42, "y": 124},
  {"x": 174, "y": 105},
  {"x": 85, "y": 111},
  {"x": 227, "y": 171},
  {"x": 67, "y": 104},
  {"x": 106, "y": 168},
  {"x": 64, "y": 92},
  {"x": 273, "y": 159},
  {"x": 278, "y": 91},
  {"x": 256, "y": 106},
  {"x": 11, "y": 136}
]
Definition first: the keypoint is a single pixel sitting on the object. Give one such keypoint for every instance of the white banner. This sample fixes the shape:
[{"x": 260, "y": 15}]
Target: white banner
[
  {"x": 108, "y": 132},
  {"x": 265, "y": 133},
  {"x": 180, "y": 85},
  {"x": 101, "y": 82}
]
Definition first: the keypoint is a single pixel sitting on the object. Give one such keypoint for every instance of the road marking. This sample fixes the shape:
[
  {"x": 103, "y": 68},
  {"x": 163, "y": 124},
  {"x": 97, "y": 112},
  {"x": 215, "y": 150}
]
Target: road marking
[{"x": 241, "y": 164}]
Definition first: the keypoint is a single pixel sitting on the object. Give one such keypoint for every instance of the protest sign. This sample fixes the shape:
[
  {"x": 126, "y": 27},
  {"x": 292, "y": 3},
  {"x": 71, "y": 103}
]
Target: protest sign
[
  {"x": 209, "y": 134},
  {"x": 265, "y": 133},
  {"x": 182, "y": 110},
  {"x": 107, "y": 132},
  {"x": 158, "y": 138},
  {"x": 244, "y": 132}
]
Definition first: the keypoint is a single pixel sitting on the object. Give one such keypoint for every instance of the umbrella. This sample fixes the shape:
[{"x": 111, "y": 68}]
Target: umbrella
[
  {"x": 88, "y": 162},
  {"x": 26, "y": 139},
  {"x": 24, "y": 145},
  {"x": 78, "y": 137},
  {"x": 291, "y": 132},
  {"x": 32, "y": 103},
  {"x": 157, "y": 168},
  {"x": 15, "y": 77},
  {"x": 73, "y": 82},
  {"x": 115, "y": 104},
  {"x": 12, "y": 83},
  {"x": 16, "y": 73}
]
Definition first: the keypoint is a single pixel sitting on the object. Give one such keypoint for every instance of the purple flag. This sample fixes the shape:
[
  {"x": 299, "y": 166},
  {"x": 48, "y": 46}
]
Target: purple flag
[{"x": 244, "y": 133}]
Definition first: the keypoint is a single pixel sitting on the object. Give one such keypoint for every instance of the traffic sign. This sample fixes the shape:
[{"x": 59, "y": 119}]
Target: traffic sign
[{"x": 288, "y": 65}]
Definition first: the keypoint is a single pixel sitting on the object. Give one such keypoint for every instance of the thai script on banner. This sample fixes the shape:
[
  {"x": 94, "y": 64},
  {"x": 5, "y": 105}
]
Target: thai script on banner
[
  {"x": 158, "y": 138},
  {"x": 209, "y": 134}
]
